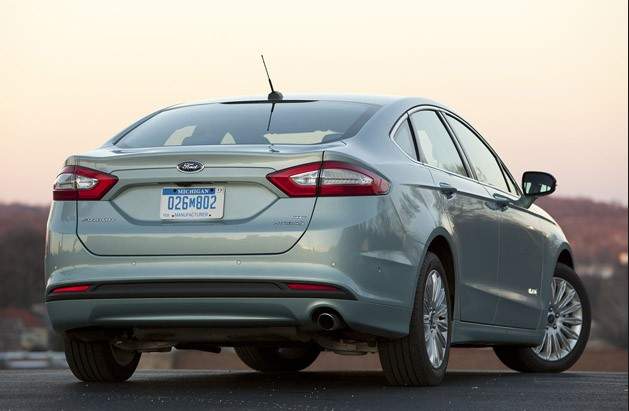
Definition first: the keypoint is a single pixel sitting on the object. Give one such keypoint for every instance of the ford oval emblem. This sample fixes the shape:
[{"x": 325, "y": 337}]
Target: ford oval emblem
[{"x": 190, "y": 167}]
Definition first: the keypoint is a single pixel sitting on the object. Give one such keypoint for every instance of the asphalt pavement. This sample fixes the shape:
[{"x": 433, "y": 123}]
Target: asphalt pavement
[{"x": 57, "y": 390}]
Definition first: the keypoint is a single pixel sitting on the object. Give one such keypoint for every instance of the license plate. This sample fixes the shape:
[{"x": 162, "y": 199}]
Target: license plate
[{"x": 197, "y": 203}]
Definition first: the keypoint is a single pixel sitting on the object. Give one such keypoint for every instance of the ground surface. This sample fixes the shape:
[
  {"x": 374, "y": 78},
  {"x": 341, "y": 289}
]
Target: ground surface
[
  {"x": 312, "y": 390},
  {"x": 593, "y": 359}
]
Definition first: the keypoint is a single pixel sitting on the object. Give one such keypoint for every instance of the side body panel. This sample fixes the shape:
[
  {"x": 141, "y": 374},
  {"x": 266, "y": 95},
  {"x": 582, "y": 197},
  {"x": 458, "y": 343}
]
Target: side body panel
[
  {"x": 516, "y": 317},
  {"x": 522, "y": 246},
  {"x": 408, "y": 217}
]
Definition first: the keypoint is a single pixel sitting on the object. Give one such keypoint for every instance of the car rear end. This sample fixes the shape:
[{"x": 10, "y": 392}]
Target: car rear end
[{"x": 226, "y": 223}]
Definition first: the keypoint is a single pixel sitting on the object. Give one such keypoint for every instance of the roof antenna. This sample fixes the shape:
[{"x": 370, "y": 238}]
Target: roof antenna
[{"x": 273, "y": 95}]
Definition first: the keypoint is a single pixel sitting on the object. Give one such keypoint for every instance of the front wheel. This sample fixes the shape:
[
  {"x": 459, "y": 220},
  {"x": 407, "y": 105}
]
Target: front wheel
[
  {"x": 567, "y": 329},
  {"x": 421, "y": 358}
]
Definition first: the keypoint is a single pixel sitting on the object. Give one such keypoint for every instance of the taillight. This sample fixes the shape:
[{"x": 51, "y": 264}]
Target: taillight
[
  {"x": 72, "y": 289},
  {"x": 329, "y": 178},
  {"x": 82, "y": 183},
  {"x": 300, "y": 181}
]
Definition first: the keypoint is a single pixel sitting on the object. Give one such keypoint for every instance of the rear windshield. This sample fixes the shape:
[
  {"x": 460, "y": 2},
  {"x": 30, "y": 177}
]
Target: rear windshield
[{"x": 303, "y": 122}]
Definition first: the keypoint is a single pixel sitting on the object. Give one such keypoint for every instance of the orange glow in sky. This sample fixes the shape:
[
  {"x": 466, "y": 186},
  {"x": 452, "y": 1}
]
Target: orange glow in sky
[{"x": 544, "y": 81}]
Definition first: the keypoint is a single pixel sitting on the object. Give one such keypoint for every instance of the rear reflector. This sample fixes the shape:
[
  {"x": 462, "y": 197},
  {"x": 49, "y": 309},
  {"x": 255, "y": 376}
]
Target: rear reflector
[
  {"x": 82, "y": 183},
  {"x": 311, "y": 287},
  {"x": 71, "y": 289},
  {"x": 329, "y": 178}
]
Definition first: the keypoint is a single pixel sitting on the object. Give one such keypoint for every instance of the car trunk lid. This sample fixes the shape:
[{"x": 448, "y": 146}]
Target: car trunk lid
[{"x": 257, "y": 217}]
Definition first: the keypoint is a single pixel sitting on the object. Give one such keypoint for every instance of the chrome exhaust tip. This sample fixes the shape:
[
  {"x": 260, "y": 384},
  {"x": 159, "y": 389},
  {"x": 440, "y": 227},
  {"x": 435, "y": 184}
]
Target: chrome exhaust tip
[{"x": 328, "y": 321}]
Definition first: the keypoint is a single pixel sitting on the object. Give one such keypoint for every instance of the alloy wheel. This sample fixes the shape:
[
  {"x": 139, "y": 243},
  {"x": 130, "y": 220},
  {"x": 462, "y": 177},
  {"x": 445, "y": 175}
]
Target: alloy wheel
[
  {"x": 435, "y": 318},
  {"x": 564, "y": 321}
]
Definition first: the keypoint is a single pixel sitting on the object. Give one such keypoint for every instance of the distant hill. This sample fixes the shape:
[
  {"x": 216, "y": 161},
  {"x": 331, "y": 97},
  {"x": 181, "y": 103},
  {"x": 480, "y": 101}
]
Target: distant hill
[
  {"x": 22, "y": 236},
  {"x": 597, "y": 231},
  {"x": 22, "y": 216}
]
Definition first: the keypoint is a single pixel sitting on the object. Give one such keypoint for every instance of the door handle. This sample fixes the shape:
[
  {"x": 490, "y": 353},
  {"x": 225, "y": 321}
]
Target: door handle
[
  {"x": 447, "y": 190},
  {"x": 501, "y": 201}
]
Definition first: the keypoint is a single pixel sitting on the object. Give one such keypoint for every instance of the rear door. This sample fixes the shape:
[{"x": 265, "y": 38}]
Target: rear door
[
  {"x": 256, "y": 217},
  {"x": 474, "y": 225},
  {"x": 521, "y": 236}
]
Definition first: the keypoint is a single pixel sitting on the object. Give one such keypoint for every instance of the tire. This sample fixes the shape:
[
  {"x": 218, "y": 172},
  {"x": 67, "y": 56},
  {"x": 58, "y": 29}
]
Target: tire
[
  {"x": 526, "y": 359},
  {"x": 278, "y": 359},
  {"x": 406, "y": 361},
  {"x": 98, "y": 361}
]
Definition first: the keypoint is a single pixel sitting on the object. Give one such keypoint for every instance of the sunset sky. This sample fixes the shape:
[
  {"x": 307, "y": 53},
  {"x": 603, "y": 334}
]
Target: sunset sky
[{"x": 544, "y": 81}]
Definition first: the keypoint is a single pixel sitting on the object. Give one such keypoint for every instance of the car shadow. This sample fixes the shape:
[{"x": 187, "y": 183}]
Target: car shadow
[{"x": 164, "y": 381}]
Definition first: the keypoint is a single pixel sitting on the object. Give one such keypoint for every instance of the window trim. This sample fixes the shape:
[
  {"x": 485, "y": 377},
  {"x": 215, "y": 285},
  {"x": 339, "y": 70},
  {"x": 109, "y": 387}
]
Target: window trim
[
  {"x": 518, "y": 191},
  {"x": 454, "y": 142},
  {"x": 418, "y": 151},
  {"x": 421, "y": 159},
  {"x": 501, "y": 165},
  {"x": 471, "y": 176}
]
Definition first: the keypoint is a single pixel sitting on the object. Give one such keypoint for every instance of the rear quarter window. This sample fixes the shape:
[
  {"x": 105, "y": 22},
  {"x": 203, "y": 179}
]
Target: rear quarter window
[{"x": 404, "y": 139}]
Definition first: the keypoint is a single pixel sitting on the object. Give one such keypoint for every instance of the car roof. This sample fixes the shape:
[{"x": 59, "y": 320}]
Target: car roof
[{"x": 380, "y": 100}]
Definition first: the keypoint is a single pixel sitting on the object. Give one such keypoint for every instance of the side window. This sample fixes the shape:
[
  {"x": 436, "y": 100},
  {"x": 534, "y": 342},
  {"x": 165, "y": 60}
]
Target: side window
[
  {"x": 404, "y": 139},
  {"x": 483, "y": 161},
  {"x": 435, "y": 143}
]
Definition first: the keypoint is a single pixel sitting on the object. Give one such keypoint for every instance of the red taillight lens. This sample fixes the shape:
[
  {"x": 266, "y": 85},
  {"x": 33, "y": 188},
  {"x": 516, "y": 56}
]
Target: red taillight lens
[
  {"x": 329, "y": 178},
  {"x": 71, "y": 289},
  {"x": 300, "y": 181},
  {"x": 82, "y": 183}
]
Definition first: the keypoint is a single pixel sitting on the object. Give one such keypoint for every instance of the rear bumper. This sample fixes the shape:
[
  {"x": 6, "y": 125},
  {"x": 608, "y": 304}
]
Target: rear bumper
[
  {"x": 196, "y": 289},
  {"x": 360, "y": 247},
  {"x": 208, "y": 313}
]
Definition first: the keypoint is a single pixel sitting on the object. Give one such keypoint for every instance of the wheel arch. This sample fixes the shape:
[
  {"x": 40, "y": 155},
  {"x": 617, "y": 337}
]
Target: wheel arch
[
  {"x": 564, "y": 256},
  {"x": 440, "y": 243}
]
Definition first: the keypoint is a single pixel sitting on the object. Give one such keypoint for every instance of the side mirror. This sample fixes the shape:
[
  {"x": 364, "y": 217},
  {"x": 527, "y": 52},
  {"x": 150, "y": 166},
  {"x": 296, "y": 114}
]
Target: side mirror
[{"x": 536, "y": 184}]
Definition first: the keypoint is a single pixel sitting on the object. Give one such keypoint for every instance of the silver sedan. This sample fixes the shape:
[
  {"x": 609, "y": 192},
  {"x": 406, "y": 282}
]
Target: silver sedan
[{"x": 287, "y": 226}]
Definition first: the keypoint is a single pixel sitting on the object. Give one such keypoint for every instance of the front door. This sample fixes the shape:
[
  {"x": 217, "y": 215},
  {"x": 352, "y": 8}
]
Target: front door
[{"x": 520, "y": 268}]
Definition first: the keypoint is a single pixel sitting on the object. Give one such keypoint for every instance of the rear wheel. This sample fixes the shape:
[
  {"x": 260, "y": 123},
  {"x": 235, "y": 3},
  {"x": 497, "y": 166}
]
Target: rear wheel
[
  {"x": 278, "y": 359},
  {"x": 567, "y": 329},
  {"x": 99, "y": 361},
  {"x": 421, "y": 358}
]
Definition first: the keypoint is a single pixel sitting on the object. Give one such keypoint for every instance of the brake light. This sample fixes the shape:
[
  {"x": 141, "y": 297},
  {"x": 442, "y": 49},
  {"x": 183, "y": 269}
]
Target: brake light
[
  {"x": 71, "y": 289},
  {"x": 329, "y": 178},
  {"x": 82, "y": 183},
  {"x": 300, "y": 181}
]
